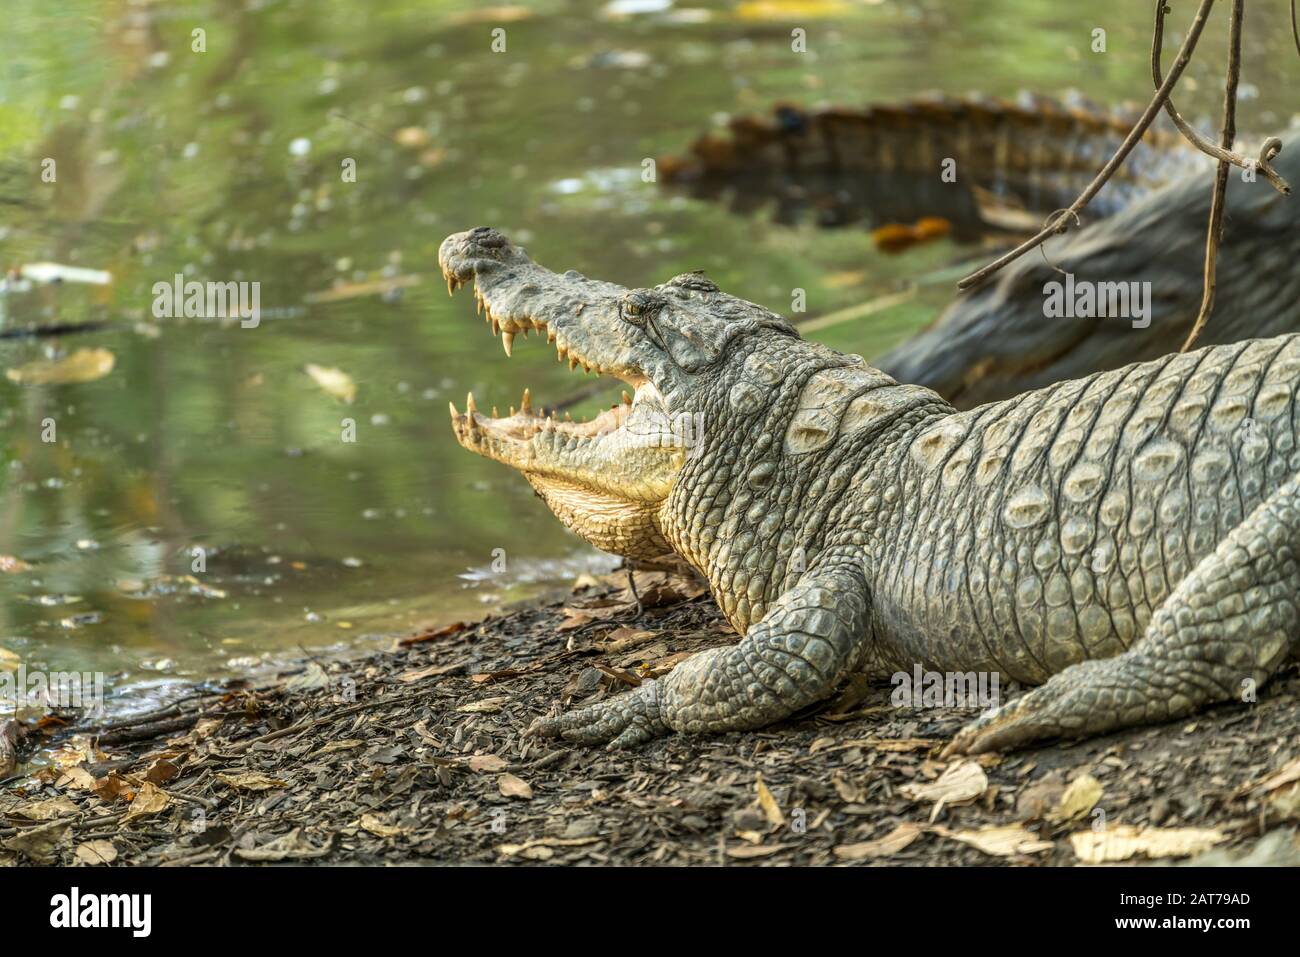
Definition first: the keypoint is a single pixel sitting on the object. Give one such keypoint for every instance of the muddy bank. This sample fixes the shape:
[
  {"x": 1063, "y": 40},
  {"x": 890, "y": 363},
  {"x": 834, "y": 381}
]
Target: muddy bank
[{"x": 416, "y": 755}]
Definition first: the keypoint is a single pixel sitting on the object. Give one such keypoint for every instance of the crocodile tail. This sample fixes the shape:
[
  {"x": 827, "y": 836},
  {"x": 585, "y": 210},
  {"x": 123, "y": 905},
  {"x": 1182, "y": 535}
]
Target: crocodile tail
[{"x": 885, "y": 162}]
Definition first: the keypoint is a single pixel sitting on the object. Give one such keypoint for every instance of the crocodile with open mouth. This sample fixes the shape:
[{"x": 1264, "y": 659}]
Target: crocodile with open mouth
[{"x": 1127, "y": 541}]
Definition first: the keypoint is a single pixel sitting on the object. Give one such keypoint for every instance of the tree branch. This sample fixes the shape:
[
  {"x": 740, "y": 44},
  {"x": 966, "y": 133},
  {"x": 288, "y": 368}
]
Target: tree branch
[
  {"x": 1060, "y": 224},
  {"x": 1214, "y": 234},
  {"x": 1193, "y": 135}
]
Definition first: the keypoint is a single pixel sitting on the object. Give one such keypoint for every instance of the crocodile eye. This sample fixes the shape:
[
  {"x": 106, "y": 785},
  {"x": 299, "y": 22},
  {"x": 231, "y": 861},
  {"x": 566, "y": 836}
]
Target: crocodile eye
[{"x": 635, "y": 307}]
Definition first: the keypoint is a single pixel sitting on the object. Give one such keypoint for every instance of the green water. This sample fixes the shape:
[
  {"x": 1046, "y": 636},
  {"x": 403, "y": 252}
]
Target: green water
[{"x": 226, "y": 164}]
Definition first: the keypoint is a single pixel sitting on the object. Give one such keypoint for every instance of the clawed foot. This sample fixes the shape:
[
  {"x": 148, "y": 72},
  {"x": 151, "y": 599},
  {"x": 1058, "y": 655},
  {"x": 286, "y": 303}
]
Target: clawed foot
[
  {"x": 623, "y": 721},
  {"x": 1035, "y": 716}
]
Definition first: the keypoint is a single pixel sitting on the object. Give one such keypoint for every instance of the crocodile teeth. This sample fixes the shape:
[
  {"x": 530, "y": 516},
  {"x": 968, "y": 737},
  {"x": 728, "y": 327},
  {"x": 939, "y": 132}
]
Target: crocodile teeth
[
  {"x": 573, "y": 363},
  {"x": 451, "y": 286},
  {"x": 507, "y": 341},
  {"x": 550, "y": 334},
  {"x": 470, "y": 407},
  {"x": 526, "y": 403}
]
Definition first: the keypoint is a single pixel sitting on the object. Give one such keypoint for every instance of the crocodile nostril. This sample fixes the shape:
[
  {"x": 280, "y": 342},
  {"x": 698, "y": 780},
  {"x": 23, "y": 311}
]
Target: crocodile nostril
[{"x": 488, "y": 237}]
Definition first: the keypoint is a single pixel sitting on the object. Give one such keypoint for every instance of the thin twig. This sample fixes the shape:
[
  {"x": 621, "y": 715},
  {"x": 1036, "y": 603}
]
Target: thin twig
[
  {"x": 1214, "y": 234},
  {"x": 1060, "y": 224},
  {"x": 1193, "y": 135}
]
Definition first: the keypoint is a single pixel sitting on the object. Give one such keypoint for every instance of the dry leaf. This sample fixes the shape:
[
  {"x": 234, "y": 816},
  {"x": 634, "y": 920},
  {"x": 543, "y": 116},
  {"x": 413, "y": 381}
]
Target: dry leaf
[
  {"x": 76, "y": 778},
  {"x": 1288, "y": 773},
  {"x": 539, "y": 849},
  {"x": 746, "y": 852},
  {"x": 960, "y": 784},
  {"x": 96, "y": 852},
  {"x": 484, "y": 705},
  {"x": 378, "y": 827},
  {"x": 291, "y": 846},
  {"x": 148, "y": 801},
  {"x": 487, "y": 762},
  {"x": 409, "y": 676},
  {"x": 41, "y": 844},
  {"x": 335, "y": 746},
  {"x": 1079, "y": 798},
  {"x": 84, "y": 365},
  {"x": 893, "y": 842},
  {"x": 251, "y": 781},
  {"x": 334, "y": 382},
  {"x": 771, "y": 810},
  {"x": 1006, "y": 841},
  {"x": 1124, "y": 841},
  {"x": 514, "y": 787},
  {"x": 161, "y": 771},
  {"x": 50, "y": 810}
]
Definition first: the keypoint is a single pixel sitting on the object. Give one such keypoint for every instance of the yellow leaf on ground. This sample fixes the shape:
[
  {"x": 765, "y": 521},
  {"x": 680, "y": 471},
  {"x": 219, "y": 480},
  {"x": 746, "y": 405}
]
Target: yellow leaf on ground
[
  {"x": 96, "y": 852},
  {"x": 1124, "y": 841},
  {"x": 1005, "y": 841},
  {"x": 514, "y": 787},
  {"x": 960, "y": 784},
  {"x": 893, "y": 842},
  {"x": 1079, "y": 798},
  {"x": 148, "y": 801},
  {"x": 771, "y": 810},
  {"x": 377, "y": 826},
  {"x": 251, "y": 781},
  {"x": 484, "y": 705},
  {"x": 84, "y": 365},
  {"x": 487, "y": 762}
]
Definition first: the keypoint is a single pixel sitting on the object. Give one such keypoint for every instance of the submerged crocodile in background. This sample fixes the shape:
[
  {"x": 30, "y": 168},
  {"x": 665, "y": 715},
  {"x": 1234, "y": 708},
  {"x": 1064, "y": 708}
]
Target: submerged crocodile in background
[
  {"x": 1129, "y": 540},
  {"x": 883, "y": 164}
]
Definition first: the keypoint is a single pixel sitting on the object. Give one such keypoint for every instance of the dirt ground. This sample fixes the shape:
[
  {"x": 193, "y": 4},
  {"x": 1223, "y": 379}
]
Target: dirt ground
[{"x": 416, "y": 755}]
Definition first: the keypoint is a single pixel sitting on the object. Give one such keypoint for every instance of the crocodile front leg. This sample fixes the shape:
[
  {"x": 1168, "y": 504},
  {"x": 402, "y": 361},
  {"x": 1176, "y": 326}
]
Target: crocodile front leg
[
  {"x": 796, "y": 655},
  {"x": 1228, "y": 625}
]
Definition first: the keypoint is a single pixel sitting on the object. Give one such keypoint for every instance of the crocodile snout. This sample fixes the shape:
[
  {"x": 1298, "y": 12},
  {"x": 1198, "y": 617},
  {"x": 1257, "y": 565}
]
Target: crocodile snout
[{"x": 463, "y": 256}]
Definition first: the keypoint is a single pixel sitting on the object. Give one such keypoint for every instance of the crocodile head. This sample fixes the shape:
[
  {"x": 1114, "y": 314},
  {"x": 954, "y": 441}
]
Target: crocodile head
[{"x": 606, "y": 479}]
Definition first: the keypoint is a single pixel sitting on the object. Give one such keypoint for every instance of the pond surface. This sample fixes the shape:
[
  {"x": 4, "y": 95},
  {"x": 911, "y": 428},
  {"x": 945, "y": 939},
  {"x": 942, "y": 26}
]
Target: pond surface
[{"x": 195, "y": 511}]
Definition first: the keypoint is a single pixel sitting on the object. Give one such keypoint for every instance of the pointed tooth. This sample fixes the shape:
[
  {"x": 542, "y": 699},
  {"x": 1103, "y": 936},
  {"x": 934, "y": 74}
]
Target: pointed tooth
[
  {"x": 573, "y": 363},
  {"x": 495, "y": 413},
  {"x": 507, "y": 341},
  {"x": 512, "y": 412},
  {"x": 470, "y": 407},
  {"x": 526, "y": 403},
  {"x": 627, "y": 399},
  {"x": 454, "y": 414},
  {"x": 550, "y": 334},
  {"x": 568, "y": 417},
  {"x": 586, "y": 369},
  {"x": 451, "y": 286}
]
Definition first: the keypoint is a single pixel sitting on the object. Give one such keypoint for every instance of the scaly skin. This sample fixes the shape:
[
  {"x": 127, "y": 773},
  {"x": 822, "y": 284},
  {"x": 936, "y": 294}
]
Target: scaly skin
[{"x": 1126, "y": 540}]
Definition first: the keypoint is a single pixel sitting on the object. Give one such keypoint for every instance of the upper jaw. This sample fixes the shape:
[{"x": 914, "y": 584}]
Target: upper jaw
[
  {"x": 581, "y": 317},
  {"x": 517, "y": 296}
]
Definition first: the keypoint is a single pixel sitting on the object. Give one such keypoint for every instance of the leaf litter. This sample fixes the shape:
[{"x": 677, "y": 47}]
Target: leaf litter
[{"x": 418, "y": 754}]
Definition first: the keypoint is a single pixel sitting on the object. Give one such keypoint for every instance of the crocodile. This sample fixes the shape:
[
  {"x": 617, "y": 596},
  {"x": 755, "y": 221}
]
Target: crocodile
[
  {"x": 1034, "y": 154},
  {"x": 1125, "y": 542}
]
